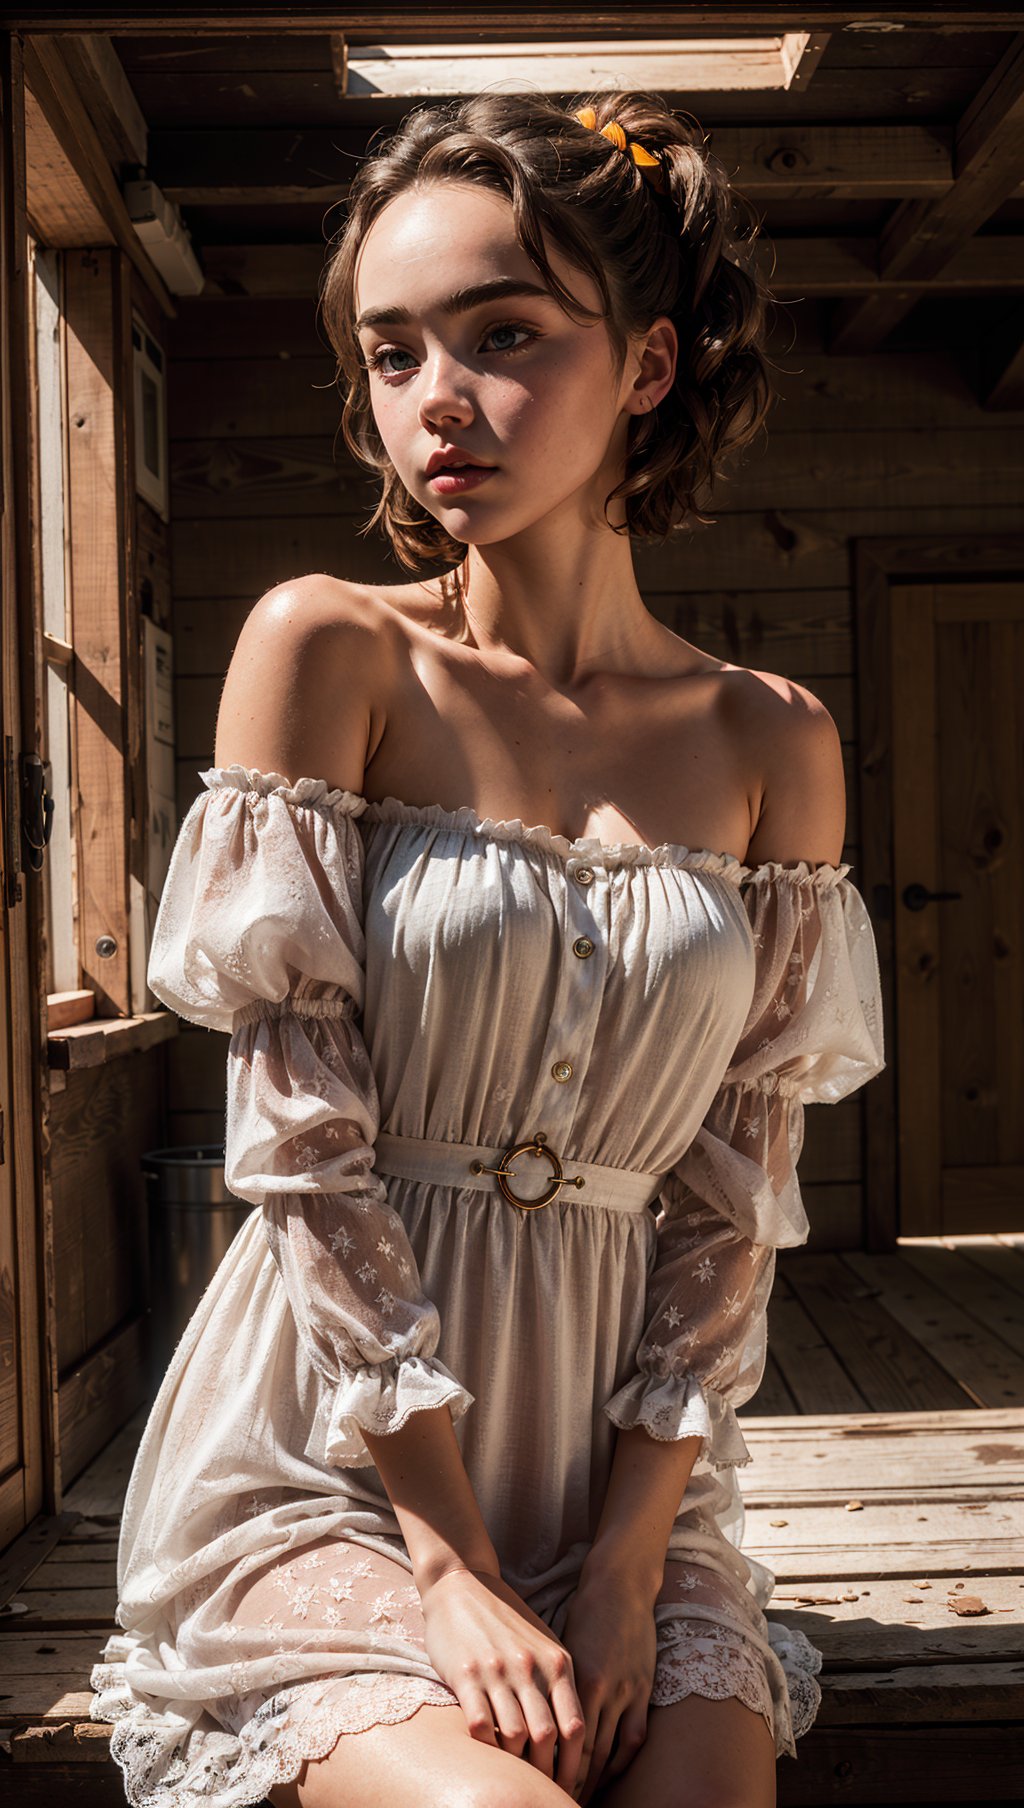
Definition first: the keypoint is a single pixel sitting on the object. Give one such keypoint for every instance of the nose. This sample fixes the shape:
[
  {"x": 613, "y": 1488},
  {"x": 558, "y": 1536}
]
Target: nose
[{"x": 442, "y": 392}]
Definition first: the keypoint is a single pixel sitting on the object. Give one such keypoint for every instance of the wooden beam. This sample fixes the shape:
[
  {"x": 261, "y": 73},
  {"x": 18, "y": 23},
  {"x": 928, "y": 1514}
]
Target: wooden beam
[
  {"x": 56, "y": 92},
  {"x": 60, "y": 206},
  {"x": 109, "y": 97},
  {"x": 922, "y": 236},
  {"x": 808, "y": 267},
  {"x": 826, "y": 266},
  {"x": 372, "y": 22},
  {"x": 771, "y": 162}
]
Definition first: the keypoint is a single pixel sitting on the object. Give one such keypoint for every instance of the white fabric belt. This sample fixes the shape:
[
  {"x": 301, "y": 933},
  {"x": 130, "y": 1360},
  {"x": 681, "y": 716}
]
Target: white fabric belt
[{"x": 449, "y": 1164}]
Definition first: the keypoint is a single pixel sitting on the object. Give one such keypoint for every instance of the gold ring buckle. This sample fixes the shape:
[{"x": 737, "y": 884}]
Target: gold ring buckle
[{"x": 538, "y": 1145}]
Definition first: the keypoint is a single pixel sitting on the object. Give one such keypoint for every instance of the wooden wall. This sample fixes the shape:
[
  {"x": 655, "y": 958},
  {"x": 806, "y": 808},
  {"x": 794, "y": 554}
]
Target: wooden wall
[
  {"x": 103, "y": 1118},
  {"x": 891, "y": 443}
]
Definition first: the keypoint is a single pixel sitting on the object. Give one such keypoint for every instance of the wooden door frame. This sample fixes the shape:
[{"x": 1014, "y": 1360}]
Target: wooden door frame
[
  {"x": 878, "y": 565},
  {"x": 37, "y": 1480}
]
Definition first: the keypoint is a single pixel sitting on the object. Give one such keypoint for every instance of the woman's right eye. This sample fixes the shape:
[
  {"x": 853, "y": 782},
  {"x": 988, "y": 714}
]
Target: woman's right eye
[{"x": 375, "y": 360}]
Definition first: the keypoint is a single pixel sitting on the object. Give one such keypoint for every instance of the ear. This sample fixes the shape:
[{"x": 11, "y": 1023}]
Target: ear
[{"x": 657, "y": 352}]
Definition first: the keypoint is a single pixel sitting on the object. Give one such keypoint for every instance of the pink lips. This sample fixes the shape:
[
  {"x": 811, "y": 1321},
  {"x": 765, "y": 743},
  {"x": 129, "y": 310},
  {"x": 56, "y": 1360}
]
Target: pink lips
[{"x": 451, "y": 483}]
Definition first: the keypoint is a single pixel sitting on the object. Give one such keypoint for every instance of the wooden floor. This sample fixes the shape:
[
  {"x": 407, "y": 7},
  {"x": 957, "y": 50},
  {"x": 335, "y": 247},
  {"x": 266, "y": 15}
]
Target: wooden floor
[{"x": 886, "y": 1494}]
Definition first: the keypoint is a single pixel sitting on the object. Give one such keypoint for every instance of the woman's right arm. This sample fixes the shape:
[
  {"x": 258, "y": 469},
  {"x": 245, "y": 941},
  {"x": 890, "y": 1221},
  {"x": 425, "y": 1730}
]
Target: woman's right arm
[{"x": 508, "y": 1670}]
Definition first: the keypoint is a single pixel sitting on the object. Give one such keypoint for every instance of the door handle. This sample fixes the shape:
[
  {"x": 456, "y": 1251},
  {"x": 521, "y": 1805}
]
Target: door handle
[
  {"x": 36, "y": 808},
  {"x": 916, "y": 896}
]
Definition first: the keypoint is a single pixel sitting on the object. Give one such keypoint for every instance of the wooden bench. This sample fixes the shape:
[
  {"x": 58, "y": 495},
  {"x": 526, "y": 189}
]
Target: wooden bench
[{"x": 874, "y": 1525}]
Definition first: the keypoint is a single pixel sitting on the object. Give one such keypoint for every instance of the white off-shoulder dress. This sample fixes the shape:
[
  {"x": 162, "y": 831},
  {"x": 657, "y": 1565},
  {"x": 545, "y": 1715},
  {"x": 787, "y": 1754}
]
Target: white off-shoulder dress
[{"x": 410, "y": 992}]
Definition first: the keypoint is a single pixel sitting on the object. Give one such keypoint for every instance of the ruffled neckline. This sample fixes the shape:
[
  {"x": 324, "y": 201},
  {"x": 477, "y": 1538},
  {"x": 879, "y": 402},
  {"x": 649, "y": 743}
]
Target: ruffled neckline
[{"x": 315, "y": 792}]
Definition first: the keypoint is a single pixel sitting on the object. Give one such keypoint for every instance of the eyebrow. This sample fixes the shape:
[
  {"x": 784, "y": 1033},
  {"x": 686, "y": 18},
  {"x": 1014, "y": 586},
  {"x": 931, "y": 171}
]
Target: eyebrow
[{"x": 458, "y": 303}]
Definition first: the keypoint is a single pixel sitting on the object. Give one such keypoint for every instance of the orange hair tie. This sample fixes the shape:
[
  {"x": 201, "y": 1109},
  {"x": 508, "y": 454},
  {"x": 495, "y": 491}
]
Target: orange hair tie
[{"x": 615, "y": 135}]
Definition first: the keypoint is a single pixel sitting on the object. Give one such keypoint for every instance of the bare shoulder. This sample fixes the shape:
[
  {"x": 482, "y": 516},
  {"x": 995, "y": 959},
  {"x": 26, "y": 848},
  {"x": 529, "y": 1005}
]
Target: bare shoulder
[
  {"x": 306, "y": 690},
  {"x": 792, "y": 741}
]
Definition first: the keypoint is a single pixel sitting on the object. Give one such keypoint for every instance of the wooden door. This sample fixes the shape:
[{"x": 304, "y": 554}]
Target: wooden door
[
  {"x": 26, "y": 1380},
  {"x": 958, "y": 903}
]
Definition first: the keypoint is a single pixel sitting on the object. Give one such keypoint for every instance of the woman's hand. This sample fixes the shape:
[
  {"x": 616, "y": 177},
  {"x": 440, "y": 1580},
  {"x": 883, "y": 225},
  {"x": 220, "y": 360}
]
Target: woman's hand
[
  {"x": 611, "y": 1634},
  {"x": 513, "y": 1678}
]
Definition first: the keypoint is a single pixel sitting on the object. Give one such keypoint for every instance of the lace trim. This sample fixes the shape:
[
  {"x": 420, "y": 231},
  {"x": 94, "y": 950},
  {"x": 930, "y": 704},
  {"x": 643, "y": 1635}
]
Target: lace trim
[
  {"x": 380, "y": 1397},
  {"x": 710, "y": 1660},
  {"x": 671, "y": 1407},
  {"x": 801, "y": 1662},
  {"x": 302, "y": 1722},
  {"x": 231, "y": 1769},
  {"x": 714, "y": 1663}
]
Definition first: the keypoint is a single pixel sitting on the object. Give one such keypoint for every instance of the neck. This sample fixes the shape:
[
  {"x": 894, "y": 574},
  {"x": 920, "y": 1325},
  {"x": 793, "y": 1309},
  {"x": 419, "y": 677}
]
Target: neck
[{"x": 568, "y": 606}]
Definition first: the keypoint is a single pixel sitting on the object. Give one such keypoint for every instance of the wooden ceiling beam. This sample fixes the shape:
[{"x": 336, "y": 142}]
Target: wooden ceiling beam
[
  {"x": 823, "y": 267},
  {"x": 771, "y": 162},
  {"x": 793, "y": 268},
  {"x": 55, "y": 91},
  {"x": 60, "y": 207},
  {"x": 109, "y": 98},
  {"x": 374, "y": 22},
  {"x": 923, "y": 236}
]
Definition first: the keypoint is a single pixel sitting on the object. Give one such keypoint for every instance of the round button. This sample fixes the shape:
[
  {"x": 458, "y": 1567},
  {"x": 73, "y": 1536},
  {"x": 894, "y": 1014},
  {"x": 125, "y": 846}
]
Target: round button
[
  {"x": 584, "y": 875},
  {"x": 562, "y": 1070},
  {"x": 583, "y": 946}
]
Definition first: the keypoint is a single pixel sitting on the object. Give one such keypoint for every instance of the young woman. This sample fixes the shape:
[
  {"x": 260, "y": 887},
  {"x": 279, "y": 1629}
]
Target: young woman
[{"x": 437, "y": 1502}]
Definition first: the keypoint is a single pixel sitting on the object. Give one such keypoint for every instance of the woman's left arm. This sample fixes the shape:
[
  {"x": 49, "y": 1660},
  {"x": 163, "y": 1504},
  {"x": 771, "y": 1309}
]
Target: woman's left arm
[{"x": 647, "y": 1482}]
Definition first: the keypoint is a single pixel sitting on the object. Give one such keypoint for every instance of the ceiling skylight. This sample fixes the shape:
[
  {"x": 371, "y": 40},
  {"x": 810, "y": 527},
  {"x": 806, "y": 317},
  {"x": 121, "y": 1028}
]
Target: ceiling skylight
[{"x": 689, "y": 65}]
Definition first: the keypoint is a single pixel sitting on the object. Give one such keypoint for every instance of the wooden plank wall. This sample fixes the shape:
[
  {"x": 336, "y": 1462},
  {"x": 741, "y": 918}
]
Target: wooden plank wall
[
  {"x": 893, "y": 443},
  {"x": 103, "y": 1118}
]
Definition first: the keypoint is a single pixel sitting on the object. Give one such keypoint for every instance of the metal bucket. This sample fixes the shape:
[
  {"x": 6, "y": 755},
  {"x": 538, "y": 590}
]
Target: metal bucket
[{"x": 193, "y": 1219}]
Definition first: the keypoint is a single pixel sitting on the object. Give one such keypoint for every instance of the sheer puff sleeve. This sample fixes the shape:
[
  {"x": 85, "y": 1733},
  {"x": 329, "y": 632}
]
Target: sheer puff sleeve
[
  {"x": 260, "y": 933},
  {"x": 813, "y": 1034}
]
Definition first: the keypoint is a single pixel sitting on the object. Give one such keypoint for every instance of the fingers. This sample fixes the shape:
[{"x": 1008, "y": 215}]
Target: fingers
[
  {"x": 605, "y": 1733},
  {"x": 479, "y": 1714},
  {"x": 572, "y": 1727},
  {"x": 508, "y": 1717},
  {"x": 632, "y": 1735},
  {"x": 513, "y": 1717}
]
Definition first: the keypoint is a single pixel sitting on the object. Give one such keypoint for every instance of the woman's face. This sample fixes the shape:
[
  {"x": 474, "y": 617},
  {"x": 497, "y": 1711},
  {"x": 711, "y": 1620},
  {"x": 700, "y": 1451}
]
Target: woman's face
[{"x": 510, "y": 379}]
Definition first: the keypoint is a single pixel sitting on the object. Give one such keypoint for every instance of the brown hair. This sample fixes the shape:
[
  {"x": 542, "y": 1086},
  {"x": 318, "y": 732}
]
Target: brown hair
[{"x": 648, "y": 253}]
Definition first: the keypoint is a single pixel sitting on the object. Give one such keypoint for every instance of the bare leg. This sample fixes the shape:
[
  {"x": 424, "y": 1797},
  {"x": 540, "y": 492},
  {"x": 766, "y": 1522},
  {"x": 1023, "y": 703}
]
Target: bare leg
[
  {"x": 699, "y": 1754},
  {"x": 427, "y": 1761}
]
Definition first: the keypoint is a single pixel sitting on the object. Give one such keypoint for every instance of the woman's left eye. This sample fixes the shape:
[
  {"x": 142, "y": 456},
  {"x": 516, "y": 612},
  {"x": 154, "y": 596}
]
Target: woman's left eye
[{"x": 511, "y": 326}]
